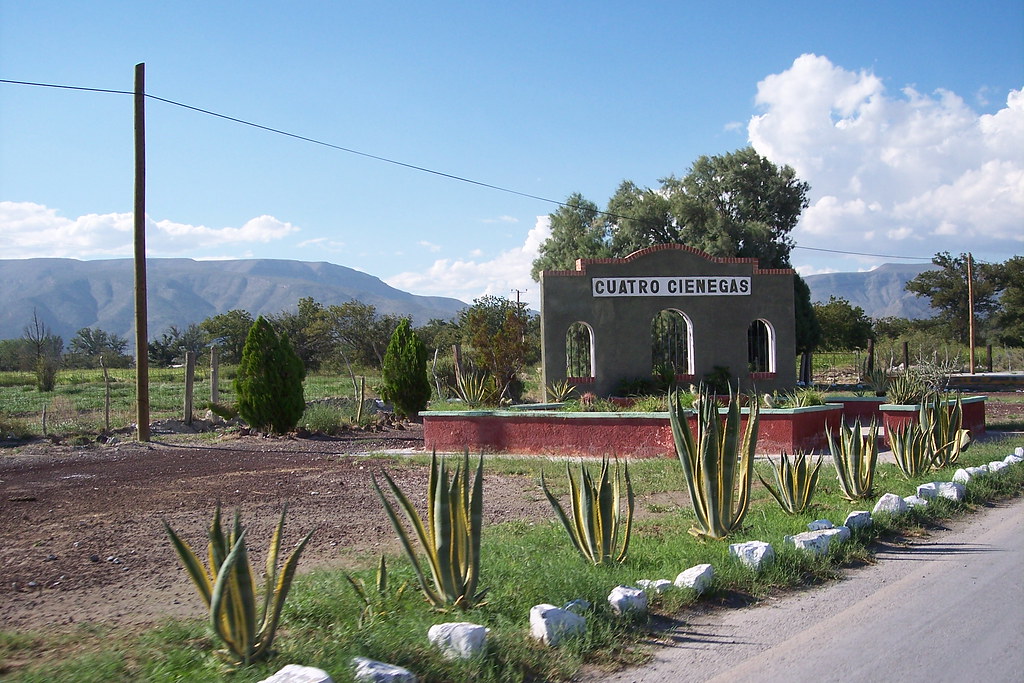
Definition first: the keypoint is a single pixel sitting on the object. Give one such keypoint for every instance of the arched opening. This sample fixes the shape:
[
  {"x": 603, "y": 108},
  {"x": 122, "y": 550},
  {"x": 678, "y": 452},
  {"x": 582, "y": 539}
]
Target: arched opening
[
  {"x": 760, "y": 347},
  {"x": 671, "y": 344},
  {"x": 579, "y": 352}
]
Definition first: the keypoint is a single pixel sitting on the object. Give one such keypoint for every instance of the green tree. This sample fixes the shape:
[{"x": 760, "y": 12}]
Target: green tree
[
  {"x": 844, "y": 326},
  {"x": 174, "y": 343},
  {"x": 46, "y": 350},
  {"x": 640, "y": 218},
  {"x": 269, "y": 380},
  {"x": 1009, "y": 320},
  {"x": 497, "y": 333},
  {"x": 359, "y": 332},
  {"x": 404, "y": 372},
  {"x": 577, "y": 231},
  {"x": 891, "y": 327},
  {"x": 228, "y": 332},
  {"x": 309, "y": 329},
  {"x": 946, "y": 288},
  {"x": 91, "y": 345}
]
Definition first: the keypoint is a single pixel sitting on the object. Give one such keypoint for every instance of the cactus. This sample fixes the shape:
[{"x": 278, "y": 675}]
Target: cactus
[
  {"x": 718, "y": 463},
  {"x": 911, "y": 450},
  {"x": 596, "y": 526},
  {"x": 854, "y": 457},
  {"x": 941, "y": 425},
  {"x": 451, "y": 536},
  {"x": 245, "y": 625},
  {"x": 795, "y": 480}
]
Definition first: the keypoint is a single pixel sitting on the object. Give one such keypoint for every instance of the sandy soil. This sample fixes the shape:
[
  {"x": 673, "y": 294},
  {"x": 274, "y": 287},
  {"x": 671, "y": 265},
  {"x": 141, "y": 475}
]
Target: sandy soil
[{"x": 82, "y": 539}]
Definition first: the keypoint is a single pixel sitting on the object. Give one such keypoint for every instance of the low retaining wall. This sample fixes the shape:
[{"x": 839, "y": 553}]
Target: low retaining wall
[
  {"x": 896, "y": 416},
  {"x": 595, "y": 434}
]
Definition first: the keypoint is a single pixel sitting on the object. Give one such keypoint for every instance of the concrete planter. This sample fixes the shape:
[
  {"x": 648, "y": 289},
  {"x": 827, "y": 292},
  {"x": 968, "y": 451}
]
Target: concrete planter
[
  {"x": 895, "y": 416},
  {"x": 619, "y": 433},
  {"x": 865, "y": 408}
]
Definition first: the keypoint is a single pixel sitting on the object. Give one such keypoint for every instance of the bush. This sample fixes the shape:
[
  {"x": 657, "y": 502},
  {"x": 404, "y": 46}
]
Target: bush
[
  {"x": 269, "y": 380},
  {"x": 404, "y": 372}
]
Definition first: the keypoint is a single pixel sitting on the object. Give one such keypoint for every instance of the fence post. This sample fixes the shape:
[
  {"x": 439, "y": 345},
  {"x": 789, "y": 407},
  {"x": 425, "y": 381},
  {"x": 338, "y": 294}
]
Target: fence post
[
  {"x": 214, "y": 376},
  {"x": 906, "y": 356},
  {"x": 190, "y": 374},
  {"x": 988, "y": 356}
]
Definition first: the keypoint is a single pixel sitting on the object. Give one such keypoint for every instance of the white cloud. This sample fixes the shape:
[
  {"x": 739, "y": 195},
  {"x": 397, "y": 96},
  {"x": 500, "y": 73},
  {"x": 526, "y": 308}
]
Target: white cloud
[
  {"x": 895, "y": 173},
  {"x": 429, "y": 246},
  {"x": 471, "y": 279},
  {"x": 30, "y": 230},
  {"x": 502, "y": 219}
]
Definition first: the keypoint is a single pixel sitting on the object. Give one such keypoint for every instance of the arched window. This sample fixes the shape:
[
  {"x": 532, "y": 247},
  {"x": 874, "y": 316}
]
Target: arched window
[
  {"x": 671, "y": 344},
  {"x": 579, "y": 347},
  {"x": 760, "y": 347}
]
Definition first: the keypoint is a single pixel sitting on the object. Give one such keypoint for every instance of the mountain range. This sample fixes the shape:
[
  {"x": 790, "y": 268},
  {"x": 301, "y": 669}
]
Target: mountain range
[{"x": 67, "y": 294}]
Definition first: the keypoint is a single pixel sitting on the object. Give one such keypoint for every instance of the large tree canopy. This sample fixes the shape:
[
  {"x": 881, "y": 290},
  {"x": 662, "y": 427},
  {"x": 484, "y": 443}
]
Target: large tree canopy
[
  {"x": 946, "y": 288},
  {"x": 737, "y": 204}
]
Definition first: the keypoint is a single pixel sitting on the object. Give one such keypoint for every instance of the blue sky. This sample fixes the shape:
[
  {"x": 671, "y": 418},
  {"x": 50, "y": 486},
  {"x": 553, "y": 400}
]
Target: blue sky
[{"x": 906, "y": 118}]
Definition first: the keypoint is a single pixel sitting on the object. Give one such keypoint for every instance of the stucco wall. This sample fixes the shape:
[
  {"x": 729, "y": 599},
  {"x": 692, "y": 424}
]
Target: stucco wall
[{"x": 622, "y": 324}]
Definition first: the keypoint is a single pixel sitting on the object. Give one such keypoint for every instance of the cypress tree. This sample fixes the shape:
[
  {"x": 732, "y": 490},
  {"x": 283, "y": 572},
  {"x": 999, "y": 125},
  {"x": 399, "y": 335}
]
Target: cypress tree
[
  {"x": 269, "y": 380},
  {"x": 404, "y": 372}
]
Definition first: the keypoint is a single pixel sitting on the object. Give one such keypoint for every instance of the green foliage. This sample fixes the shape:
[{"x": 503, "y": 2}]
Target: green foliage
[
  {"x": 947, "y": 289},
  {"x": 906, "y": 389},
  {"x": 596, "y": 525},
  {"x": 379, "y": 603},
  {"x": 245, "y": 624},
  {"x": 451, "y": 535},
  {"x": 808, "y": 327},
  {"x": 718, "y": 463},
  {"x": 91, "y": 346},
  {"x": 498, "y": 332},
  {"x": 719, "y": 380},
  {"x": 843, "y": 325},
  {"x": 560, "y": 392},
  {"x": 269, "y": 380},
  {"x": 910, "y": 449},
  {"x": 1009, "y": 317},
  {"x": 794, "y": 482},
  {"x": 404, "y": 372},
  {"x": 854, "y": 456},
  {"x": 173, "y": 344},
  {"x": 228, "y": 332},
  {"x": 577, "y": 231},
  {"x": 46, "y": 373},
  {"x": 941, "y": 424}
]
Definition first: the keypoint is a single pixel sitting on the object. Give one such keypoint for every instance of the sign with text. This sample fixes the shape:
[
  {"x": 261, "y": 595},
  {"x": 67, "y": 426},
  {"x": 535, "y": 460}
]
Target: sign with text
[{"x": 670, "y": 286}]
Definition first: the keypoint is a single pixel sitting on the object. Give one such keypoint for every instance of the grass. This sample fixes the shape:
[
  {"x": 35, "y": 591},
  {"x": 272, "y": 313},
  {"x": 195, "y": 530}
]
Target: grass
[{"x": 523, "y": 564}]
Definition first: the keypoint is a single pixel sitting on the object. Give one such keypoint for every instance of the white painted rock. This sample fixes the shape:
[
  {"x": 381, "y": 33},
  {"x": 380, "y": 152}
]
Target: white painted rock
[
  {"x": 890, "y": 503},
  {"x": 371, "y": 671},
  {"x": 819, "y": 524},
  {"x": 996, "y": 466},
  {"x": 1013, "y": 459},
  {"x": 628, "y": 600},
  {"x": 914, "y": 501},
  {"x": 1019, "y": 451},
  {"x": 657, "y": 586},
  {"x": 459, "y": 639},
  {"x": 817, "y": 542},
  {"x": 698, "y": 578},
  {"x": 754, "y": 554},
  {"x": 953, "y": 490},
  {"x": 296, "y": 673},
  {"x": 551, "y": 624},
  {"x": 858, "y": 519},
  {"x": 965, "y": 474},
  {"x": 578, "y": 606}
]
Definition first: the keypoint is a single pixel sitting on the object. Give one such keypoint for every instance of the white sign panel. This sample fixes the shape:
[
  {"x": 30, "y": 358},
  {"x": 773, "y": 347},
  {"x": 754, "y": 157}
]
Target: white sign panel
[{"x": 670, "y": 286}]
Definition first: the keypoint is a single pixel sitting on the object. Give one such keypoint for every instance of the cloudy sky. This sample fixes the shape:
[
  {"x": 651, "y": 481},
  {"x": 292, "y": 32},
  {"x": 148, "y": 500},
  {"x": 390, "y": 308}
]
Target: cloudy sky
[{"x": 907, "y": 120}]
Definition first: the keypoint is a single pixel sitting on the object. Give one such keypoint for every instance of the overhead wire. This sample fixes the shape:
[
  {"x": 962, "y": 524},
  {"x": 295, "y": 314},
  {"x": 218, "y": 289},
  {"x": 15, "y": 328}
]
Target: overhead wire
[{"x": 375, "y": 157}]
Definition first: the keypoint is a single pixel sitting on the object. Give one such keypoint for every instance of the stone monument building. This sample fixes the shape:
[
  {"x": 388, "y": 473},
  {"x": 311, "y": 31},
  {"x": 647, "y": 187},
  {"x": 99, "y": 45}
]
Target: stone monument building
[{"x": 668, "y": 309}]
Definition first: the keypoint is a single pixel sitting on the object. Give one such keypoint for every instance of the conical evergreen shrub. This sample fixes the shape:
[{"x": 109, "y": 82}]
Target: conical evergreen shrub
[
  {"x": 269, "y": 380},
  {"x": 404, "y": 372}
]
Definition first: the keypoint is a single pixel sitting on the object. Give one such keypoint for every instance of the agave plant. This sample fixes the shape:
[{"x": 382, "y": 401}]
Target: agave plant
[
  {"x": 560, "y": 392},
  {"x": 451, "y": 535},
  {"x": 941, "y": 425},
  {"x": 906, "y": 389},
  {"x": 475, "y": 389},
  {"x": 596, "y": 526},
  {"x": 246, "y": 625},
  {"x": 373, "y": 605},
  {"x": 718, "y": 463},
  {"x": 795, "y": 480},
  {"x": 854, "y": 456},
  {"x": 911, "y": 449}
]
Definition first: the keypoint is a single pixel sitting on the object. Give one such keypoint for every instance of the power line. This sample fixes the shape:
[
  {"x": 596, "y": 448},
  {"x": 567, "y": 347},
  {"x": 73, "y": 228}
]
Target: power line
[{"x": 395, "y": 162}]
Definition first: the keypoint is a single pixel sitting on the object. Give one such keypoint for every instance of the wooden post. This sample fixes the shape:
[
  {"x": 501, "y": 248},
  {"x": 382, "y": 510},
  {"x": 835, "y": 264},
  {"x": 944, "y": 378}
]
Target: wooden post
[
  {"x": 906, "y": 356},
  {"x": 988, "y": 357},
  {"x": 190, "y": 376},
  {"x": 871, "y": 357},
  {"x": 970, "y": 307},
  {"x": 214, "y": 376},
  {"x": 141, "y": 311},
  {"x": 106, "y": 396}
]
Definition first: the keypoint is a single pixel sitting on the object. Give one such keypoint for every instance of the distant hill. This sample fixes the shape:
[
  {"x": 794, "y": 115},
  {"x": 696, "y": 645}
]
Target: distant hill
[
  {"x": 68, "y": 294},
  {"x": 880, "y": 292}
]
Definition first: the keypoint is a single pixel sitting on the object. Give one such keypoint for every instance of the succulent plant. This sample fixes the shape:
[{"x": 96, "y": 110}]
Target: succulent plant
[
  {"x": 795, "y": 480},
  {"x": 854, "y": 456}
]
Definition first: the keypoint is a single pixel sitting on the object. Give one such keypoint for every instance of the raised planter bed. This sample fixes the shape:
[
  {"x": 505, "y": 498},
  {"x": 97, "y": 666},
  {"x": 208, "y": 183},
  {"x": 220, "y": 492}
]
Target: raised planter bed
[
  {"x": 895, "y": 416},
  {"x": 865, "y": 408},
  {"x": 542, "y": 432}
]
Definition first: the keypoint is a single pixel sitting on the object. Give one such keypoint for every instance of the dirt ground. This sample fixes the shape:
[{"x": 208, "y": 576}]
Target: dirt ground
[{"x": 82, "y": 539}]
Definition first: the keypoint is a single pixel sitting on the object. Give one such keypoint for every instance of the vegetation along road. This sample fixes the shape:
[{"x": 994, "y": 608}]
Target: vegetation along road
[{"x": 946, "y": 607}]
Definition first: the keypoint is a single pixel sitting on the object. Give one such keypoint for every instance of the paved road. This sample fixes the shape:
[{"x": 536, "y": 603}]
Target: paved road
[{"x": 950, "y": 608}]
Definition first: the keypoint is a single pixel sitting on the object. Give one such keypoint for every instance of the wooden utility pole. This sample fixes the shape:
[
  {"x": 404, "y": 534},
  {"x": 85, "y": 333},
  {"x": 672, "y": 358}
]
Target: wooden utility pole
[
  {"x": 141, "y": 311},
  {"x": 970, "y": 306}
]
